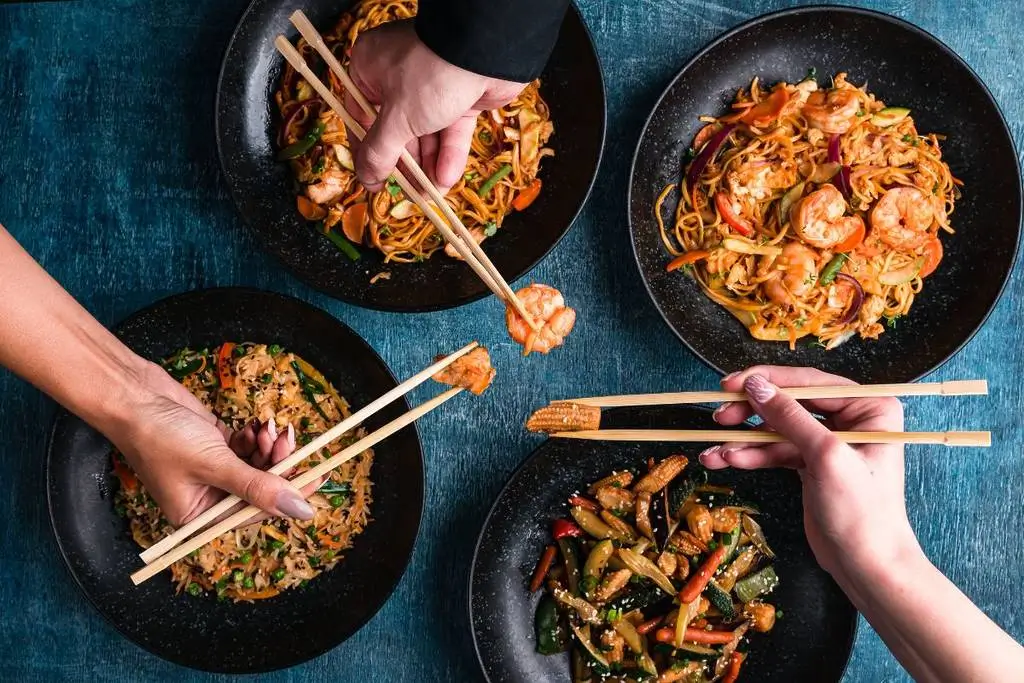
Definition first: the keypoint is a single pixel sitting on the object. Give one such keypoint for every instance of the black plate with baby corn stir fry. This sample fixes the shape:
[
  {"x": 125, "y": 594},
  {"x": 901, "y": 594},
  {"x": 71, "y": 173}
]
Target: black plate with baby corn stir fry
[
  {"x": 611, "y": 561},
  {"x": 655, "y": 574}
]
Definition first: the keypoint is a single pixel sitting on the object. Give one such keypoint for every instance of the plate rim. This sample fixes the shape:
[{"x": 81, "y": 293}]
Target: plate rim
[
  {"x": 528, "y": 460},
  {"x": 62, "y": 415},
  {"x": 393, "y": 307},
  {"x": 815, "y": 9}
]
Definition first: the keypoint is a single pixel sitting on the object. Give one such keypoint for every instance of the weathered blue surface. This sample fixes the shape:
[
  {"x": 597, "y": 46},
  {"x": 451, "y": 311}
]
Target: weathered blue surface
[{"x": 108, "y": 175}]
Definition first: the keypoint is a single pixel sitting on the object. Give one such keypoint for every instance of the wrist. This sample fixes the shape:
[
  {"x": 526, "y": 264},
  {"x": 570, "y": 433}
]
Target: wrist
[
  {"x": 120, "y": 375},
  {"x": 875, "y": 561}
]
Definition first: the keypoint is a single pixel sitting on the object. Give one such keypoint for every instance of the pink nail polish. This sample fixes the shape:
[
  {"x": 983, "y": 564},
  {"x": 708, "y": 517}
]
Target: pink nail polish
[
  {"x": 272, "y": 429},
  {"x": 718, "y": 411},
  {"x": 709, "y": 452},
  {"x": 291, "y": 437},
  {"x": 759, "y": 389},
  {"x": 730, "y": 376}
]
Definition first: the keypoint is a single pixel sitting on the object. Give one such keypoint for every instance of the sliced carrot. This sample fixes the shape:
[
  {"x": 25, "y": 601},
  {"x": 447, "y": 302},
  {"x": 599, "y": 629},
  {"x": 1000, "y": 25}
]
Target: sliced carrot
[
  {"x": 543, "y": 566},
  {"x": 353, "y": 222},
  {"x": 854, "y": 240},
  {"x": 527, "y": 195},
  {"x": 705, "y": 134},
  {"x": 699, "y": 581},
  {"x": 328, "y": 542},
  {"x": 733, "y": 672},
  {"x": 724, "y": 206},
  {"x": 648, "y": 626},
  {"x": 220, "y": 572},
  {"x": 129, "y": 482},
  {"x": 686, "y": 259},
  {"x": 932, "y": 256},
  {"x": 695, "y": 635},
  {"x": 309, "y": 209},
  {"x": 257, "y": 595},
  {"x": 762, "y": 113},
  {"x": 580, "y": 501},
  {"x": 224, "y": 364}
]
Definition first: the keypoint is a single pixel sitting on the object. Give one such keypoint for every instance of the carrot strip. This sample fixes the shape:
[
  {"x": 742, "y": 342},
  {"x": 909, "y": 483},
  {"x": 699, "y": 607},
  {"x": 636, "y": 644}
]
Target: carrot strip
[
  {"x": 695, "y": 635},
  {"x": 686, "y": 259},
  {"x": 543, "y": 566},
  {"x": 527, "y": 195},
  {"x": 733, "y": 672},
  {"x": 699, "y": 581},
  {"x": 224, "y": 364}
]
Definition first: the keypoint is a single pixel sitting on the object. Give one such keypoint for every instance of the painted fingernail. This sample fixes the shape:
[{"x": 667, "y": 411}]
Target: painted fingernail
[
  {"x": 254, "y": 424},
  {"x": 718, "y": 411},
  {"x": 272, "y": 429},
  {"x": 707, "y": 453},
  {"x": 730, "y": 376},
  {"x": 291, "y": 504},
  {"x": 291, "y": 436},
  {"x": 759, "y": 389}
]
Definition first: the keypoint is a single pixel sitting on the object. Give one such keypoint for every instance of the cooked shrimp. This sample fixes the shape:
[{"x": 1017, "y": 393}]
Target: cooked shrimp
[
  {"x": 832, "y": 111},
  {"x": 332, "y": 185},
  {"x": 820, "y": 221},
  {"x": 902, "y": 218},
  {"x": 796, "y": 272},
  {"x": 547, "y": 307},
  {"x": 472, "y": 371}
]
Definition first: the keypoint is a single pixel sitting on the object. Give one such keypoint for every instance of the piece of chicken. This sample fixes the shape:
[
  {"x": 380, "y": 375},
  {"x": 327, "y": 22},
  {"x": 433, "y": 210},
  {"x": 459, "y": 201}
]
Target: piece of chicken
[{"x": 472, "y": 371}]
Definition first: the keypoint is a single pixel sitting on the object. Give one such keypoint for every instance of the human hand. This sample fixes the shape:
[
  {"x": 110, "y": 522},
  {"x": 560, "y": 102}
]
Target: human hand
[
  {"x": 854, "y": 508},
  {"x": 187, "y": 458},
  {"x": 426, "y": 104}
]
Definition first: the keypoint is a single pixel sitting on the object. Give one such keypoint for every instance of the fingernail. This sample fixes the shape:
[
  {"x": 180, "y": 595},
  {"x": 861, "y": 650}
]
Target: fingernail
[
  {"x": 272, "y": 429},
  {"x": 759, "y": 389},
  {"x": 730, "y": 376},
  {"x": 291, "y": 436},
  {"x": 291, "y": 504},
  {"x": 718, "y": 411},
  {"x": 707, "y": 453},
  {"x": 255, "y": 425}
]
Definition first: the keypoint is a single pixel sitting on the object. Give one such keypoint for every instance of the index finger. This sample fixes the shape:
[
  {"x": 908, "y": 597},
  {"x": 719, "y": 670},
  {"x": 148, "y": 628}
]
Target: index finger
[{"x": 784, "y": 377}]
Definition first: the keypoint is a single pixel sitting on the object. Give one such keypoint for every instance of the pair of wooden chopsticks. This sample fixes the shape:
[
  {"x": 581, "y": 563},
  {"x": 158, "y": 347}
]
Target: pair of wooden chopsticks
[
  {"x": 457, "y": 235},
  {"x": 182, "y": 542},
  {"x": 953, "y": 388}
]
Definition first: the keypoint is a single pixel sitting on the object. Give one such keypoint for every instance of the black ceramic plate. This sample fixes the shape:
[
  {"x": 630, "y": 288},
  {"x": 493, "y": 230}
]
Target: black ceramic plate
[
  {"x": 571, "y": 84},
  {"x": 902, "y": 65},
  {"x": 221, "y": 636},
  {"x": 812, "y": 642}
]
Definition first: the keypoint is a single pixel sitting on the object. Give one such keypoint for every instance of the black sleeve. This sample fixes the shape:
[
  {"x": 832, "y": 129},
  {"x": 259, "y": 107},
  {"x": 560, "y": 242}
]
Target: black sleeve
[{"x": 508, "y": 39}]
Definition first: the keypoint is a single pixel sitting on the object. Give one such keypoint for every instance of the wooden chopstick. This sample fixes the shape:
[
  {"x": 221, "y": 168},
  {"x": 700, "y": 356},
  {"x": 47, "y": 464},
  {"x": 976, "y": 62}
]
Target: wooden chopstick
[
  {"x": 308, "y": 477},
  {"x": 313, "y": 37},
  {"x": 982, "y": 439},
  {"x": 465, "y": 247},
  {"x": 352, "y": 421},
  {"x": 953, "y": 388}
]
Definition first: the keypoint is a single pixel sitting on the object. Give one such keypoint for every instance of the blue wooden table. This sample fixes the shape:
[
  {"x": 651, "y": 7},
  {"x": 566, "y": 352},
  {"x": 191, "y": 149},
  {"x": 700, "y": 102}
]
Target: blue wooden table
[{"x": 108, "y": 175}]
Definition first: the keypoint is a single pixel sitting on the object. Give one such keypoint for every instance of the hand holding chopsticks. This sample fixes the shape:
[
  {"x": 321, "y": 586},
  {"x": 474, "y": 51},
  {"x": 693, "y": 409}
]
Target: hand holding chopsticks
[{"x": 179, "y": 544}]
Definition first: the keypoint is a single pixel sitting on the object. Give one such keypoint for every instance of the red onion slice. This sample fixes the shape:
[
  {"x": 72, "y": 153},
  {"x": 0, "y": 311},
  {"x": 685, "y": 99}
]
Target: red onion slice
[
  {"x": 707, "y": 154},
  {"x": 858, "y": 298}
]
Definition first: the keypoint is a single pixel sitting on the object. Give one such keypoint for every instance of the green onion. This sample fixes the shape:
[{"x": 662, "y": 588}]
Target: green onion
[
  {"x": 393, "y": 187},
  {"x": 311, "y": 531},
  {"x": 304, "y": 423},
  {"x": 274, "y": 349},
  {"x": 613, "y": 614},
  {"x": 237, "y": 576},
  {"x": 277, "y": 574},
  {"x": 726, "y": 539},
  {"x": 490, "y": 228},
  {"x": 194, "y": 589},
  {"x": 331, "y": 486},
  {"x": 320, "y": 165},
  {"x": 328, "y": 556},
  {"x": 297, "y": 149},
  {"x": 343, "y": 245},
  {"x": 275, "y": 544},
  {"x": 337, "y": 501},
  {"x": 469, "y": 176},
  {"x": 489, "y": 184},
  {"x": 828, "y": 274},
  {"x": 314, "y": 561}
]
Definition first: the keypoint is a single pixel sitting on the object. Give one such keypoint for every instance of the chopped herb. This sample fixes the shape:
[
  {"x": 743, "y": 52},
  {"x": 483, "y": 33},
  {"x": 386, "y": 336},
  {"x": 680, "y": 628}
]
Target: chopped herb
[
  {"x": 485, "y": 136},
  {"x": 890, "y": 320},
  {"x": 906, "y": 138},
  {"x": 688, "y": 155},
  {"x": 392, "y": 186},
  {"x": 916, "y": 142},
  {"x": 335, "y": 538},
  {"x": 817, "y": 342},
  {"x": 328, "y": 556},
  {"x": 304, "y": 439},
  {"x": 688, "y": 269},
  {"x": 274, "y": 349},
  {"x": 588, "y": 584},
  {"x": 120, "y": 510},
  {"x": 490, "y": 228},
  {"x": 194, "y": 553},
  {"x": 385, "y": 231},
  {"x": 311, "y": 531},
  {"x": 266, "y": 378},
  {"x": 150, "y": 503},
  {"x": 469, "y": 176},
  {"x": 613, "y": 614},
  {"x": 314, "y": 561},
  {"x": 778, "y": 614},
  {"x": 304, "y": 423},
  {"x": 238, "y": 351},
  {"x": 320, "y": 165},
  {"x": 860, "y": 112},
  {"x": 800, "y": 322},
  {"x": 712, "y": 545},
  {"x": 419, "y": 258},
  {"x": 337, "y": 500},
  {"x": 237, "y": 576},
  {"x": 303, "y": 583},
  {"x": 194, "y": 589},
  {"x": 277, "y": 574},
  {"x": 247, "y": 582},
  {"x": 935, "y": 188}
]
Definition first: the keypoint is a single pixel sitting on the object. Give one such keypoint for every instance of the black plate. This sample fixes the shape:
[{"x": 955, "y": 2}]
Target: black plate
[
  {"x": 221, "y": 636},
  {"x": 572, "y": 84},
  {"x": 812, "y": 642},
  {"x": 904, "y": 66}
]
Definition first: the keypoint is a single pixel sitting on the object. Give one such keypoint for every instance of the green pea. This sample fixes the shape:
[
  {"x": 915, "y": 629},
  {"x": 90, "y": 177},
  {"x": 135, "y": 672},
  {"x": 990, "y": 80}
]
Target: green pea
[
  {"x": 248, "y": 582},
  {"x": 194, "y": 589},
  {"x": 246, "y": 557},
  {"x": 277, "y": 574},
  {"x": 337, "y": 501},
  {"x": 238, "y": 576}
]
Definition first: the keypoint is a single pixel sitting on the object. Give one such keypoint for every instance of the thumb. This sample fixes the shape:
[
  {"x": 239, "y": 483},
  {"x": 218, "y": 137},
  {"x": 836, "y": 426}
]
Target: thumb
[
  {"x": 378, "y": 154},
  {"x": 266, "y": 491},
  {"x": 453, "y": 151},
  {"x": 789, "y": 418}
]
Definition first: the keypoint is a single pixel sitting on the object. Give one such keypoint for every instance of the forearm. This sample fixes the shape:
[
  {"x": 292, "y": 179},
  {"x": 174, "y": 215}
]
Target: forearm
[
  {"x": 47, "y": 338},
  {"x": 932, "y": 628},
  {"x": 507, "y": 40}
]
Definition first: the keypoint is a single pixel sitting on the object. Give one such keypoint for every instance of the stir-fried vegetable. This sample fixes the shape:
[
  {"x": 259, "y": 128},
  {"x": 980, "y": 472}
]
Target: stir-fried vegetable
[
  {"x": 641, "y": 594},
  {"x": 488, "y": 185},
  {"x": 303, "y": 145}
]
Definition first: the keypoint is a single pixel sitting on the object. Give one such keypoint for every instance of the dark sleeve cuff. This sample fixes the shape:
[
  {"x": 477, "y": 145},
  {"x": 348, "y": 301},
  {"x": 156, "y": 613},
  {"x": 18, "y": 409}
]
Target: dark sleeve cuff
[{"x": 507, "y": 39}]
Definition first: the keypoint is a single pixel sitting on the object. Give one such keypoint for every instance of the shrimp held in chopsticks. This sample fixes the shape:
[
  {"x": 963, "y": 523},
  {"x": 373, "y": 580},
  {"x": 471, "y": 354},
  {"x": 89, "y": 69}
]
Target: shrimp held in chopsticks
[
  {"x": 547, "y": 307},
  {"x": 472, "y": 371}
]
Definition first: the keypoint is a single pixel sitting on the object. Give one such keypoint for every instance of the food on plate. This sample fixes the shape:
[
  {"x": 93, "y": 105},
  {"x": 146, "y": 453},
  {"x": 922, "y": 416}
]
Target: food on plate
[
  {"x": 655, "y": 575},
  {"x": 812, "y": 210},
  {"x": 240, "y": 383}
]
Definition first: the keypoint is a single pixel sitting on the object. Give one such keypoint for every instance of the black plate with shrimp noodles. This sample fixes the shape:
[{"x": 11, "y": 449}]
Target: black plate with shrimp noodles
[
  {"x": 811, "y": 640},
  {"x": 204, "y": 615},
  {"x": 261, "y": 115},
  {"x": 868, "y": 298}
]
